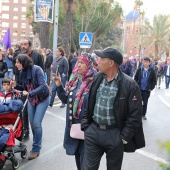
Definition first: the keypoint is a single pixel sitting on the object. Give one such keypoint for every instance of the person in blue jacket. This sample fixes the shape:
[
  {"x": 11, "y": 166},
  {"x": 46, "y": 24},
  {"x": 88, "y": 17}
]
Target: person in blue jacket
[
  {"x": 76, "y": 96},
  {"x": 33, "y": 85}
]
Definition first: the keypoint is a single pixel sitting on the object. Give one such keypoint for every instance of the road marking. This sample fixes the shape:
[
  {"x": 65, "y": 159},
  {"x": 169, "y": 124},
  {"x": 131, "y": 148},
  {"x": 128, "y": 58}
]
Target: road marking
[
  {"x": 152, "y": 156},
  {"x": 41, "y": 155},
  {"x": 59, "y": 117},
  {"x": 165, "y": 102},
  {"x": 144, "y": 153}
]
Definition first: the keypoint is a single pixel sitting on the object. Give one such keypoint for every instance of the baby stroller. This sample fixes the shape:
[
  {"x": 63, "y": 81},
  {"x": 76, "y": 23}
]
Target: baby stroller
[{"x": 8, "y": 149}]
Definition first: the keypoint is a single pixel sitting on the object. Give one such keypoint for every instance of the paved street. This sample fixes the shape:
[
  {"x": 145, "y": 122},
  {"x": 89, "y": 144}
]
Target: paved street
[{"x": 156, "y": 129}]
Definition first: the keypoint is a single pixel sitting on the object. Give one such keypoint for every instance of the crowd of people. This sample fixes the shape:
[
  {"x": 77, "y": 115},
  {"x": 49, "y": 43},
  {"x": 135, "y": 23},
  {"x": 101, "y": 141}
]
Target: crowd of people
[{"x": 106, "y": 92}]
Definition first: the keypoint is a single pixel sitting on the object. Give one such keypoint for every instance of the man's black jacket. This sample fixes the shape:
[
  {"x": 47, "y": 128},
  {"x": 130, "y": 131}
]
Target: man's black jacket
[
  {"x": 37, "y": 59},
  {"x": 128, "y": 110},
  {"x": 49, "y": 61},
  {"x": 151, "y": 79}
]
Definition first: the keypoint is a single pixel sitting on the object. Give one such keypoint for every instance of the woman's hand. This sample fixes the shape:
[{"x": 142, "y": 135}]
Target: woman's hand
[
  {"x": 57, "y": 79},
  {"x": 13, "y": 83},
  {"x": 25, "y": 93}
]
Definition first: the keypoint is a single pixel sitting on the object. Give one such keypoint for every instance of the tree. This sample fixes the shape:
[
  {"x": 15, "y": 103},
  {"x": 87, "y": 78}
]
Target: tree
[
  {"x": 157, "y": 35},
  {"x": 41, "y": 28}
]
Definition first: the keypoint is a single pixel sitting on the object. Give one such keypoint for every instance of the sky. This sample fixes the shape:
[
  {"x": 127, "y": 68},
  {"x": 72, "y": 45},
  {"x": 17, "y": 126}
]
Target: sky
[{"x": 151, "y": 7}]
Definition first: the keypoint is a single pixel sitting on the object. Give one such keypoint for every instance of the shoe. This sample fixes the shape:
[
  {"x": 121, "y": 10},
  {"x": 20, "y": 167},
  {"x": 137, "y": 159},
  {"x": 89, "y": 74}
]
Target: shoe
[
  {"x": 33, "y": 156},
  {"x": 158, "y": 87},
  {"x": 50, "y": 105},
  {"x": 144, "y": 118},
  {"x": 167, "y": 88},
  {"x": 62, "y": 106},
  {"x": 25, "y": 138}
]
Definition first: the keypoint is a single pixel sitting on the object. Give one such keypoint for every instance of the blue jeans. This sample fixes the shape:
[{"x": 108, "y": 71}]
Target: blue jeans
[
  {"x": 36, "y": 114},
  {"x": 54, "y": 89},
  {"x": 167, "y": 81},
  {"x": 9, "y": 74}
]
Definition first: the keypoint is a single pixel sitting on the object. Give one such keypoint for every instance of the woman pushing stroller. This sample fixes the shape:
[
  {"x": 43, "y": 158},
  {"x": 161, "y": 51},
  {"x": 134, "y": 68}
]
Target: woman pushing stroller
[{"x": 33, "y": 86}]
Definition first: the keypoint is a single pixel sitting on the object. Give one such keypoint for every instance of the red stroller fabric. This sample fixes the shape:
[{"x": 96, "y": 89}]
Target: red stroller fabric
[{"x": 10, "y": 118}]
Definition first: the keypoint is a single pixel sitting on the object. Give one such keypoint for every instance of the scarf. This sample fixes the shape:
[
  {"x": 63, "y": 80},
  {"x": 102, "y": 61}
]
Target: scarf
[{"x": 85, "y": 80}]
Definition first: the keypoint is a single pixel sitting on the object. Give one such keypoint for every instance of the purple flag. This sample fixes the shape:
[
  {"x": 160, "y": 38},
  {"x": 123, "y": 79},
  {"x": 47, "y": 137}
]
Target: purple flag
[{"x": 7, "y": 39}]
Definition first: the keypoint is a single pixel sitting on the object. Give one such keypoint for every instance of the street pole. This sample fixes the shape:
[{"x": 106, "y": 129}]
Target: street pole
[{"x": 55, "y": 36}]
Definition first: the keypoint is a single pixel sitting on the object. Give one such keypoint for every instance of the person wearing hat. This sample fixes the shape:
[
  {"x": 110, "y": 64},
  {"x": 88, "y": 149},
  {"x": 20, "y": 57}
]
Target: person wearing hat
[
  {"x": 167, "y": 73},
  {"x": 75, "y": 95},
  {"x": 112, "y": 119},
  {"x": 146, "y": 79}
]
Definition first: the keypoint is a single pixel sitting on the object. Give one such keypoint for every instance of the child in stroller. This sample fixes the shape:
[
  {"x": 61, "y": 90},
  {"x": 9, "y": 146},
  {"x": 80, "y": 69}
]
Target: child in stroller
[{"x": 10, "y": 125}]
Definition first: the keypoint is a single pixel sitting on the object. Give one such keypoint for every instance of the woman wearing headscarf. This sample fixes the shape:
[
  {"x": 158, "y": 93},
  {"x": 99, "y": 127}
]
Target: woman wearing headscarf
[
  {"x": 75, "y": 95},
  {"x": 34, "y": 86}
]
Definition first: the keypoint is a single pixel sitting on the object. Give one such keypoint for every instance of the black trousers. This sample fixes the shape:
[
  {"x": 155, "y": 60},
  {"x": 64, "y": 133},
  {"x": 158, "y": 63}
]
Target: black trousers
[
  {"x": 17, "y": 78},
  {"x": 48, "y": 72},
  {"x": 98, "y": 142},
  {"x": 25, "y": 116},
  {"x": 145, "y": 96}
]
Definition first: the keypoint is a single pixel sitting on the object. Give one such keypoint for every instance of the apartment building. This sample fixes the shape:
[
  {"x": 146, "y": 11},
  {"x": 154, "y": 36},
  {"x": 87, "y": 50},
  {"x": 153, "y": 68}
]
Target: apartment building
[{"x": 13, "y": 16}]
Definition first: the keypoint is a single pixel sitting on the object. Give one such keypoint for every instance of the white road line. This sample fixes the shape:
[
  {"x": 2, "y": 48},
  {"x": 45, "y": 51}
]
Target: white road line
[
  {"x": 144, "y": 153},
  {"x": 41, "y": 155},
  {"x": 165, "y": 102},
  {"x": 59, "y": 117},
  {"x": 152, "y": 156}
]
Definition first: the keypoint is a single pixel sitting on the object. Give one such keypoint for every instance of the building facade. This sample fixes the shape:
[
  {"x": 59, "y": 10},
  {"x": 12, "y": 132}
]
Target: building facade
[
  {"x": 133, "y": 40},
  {"x": 13, "y": 16}
]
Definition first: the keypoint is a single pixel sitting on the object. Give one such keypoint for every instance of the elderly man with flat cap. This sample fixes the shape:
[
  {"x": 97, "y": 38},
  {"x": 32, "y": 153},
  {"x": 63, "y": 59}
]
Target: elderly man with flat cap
[{"x": 112, "y": 121}]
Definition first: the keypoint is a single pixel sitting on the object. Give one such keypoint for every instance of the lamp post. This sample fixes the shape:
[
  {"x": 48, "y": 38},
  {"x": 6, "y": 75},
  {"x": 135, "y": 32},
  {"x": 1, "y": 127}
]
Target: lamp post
[{"x": 55, "y": 36}]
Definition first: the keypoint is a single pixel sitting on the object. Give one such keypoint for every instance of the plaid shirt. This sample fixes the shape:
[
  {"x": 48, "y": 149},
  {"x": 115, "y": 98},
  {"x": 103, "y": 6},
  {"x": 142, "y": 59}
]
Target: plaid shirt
[{"x": 105, "y": 97}]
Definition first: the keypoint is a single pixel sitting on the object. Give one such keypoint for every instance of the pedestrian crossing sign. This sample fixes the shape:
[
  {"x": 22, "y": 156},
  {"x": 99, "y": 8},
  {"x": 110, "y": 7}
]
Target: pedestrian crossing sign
[{"x": 85, "y": 39}]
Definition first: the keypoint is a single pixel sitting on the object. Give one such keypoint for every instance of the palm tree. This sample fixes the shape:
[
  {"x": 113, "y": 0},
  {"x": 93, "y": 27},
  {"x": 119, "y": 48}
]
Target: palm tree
[{"x": 157, "y": 35}]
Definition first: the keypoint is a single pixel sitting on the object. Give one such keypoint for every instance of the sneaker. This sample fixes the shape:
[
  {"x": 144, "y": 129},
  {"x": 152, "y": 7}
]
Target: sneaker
[
  {"x": 33, "y": 156},
  {"x": 25, "y": 138},
  {"x": 159, "y": 87},
  {"x": 144, "y": 118},
  {"x": 50, "y": 105},
  {"x": 62, "y": 106},
  {"x": 167, "y": 88}
]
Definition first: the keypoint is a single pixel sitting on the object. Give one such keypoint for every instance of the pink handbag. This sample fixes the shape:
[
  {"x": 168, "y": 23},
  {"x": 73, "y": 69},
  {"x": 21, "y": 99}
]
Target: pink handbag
[{"x": 76, "y": 132}]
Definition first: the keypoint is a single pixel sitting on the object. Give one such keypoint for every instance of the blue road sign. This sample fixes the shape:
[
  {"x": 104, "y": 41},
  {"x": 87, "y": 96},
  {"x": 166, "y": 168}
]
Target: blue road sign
[
  {"x": 85, "y": 39},
  {"x": 143, "y": 54}
]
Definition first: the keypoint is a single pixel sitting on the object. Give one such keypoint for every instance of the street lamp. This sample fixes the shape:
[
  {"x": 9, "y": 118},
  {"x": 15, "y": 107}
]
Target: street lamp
[{"x": 55, "y": 36}]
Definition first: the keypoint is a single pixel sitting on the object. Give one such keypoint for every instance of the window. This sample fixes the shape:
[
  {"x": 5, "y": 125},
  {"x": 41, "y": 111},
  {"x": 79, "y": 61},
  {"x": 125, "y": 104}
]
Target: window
[
  {"x": 23, "y": 33},
  {"x": 14, "y": 40},
  {"x": 15, "y": 1},
  {"x": 15, "y": 9},
  {"x": 24, "y": 9},
  {"x": 5, "y": 24},
  {"x": 5, "y": 16},
  {"x": 31, "y": 26},
  {"x": 15, "y": 25},
  {"x": 23, "y": 17},
  {"x": 15, "y": 17},
  {"x": 5, "y": 1},
  {"x": 14, "y": 33},
  {"x": 3, "y": 32},
  {"x": 24, "y": 1},
  {"x": 5, "y": 8},
  {"x": 23, "y": 25}
]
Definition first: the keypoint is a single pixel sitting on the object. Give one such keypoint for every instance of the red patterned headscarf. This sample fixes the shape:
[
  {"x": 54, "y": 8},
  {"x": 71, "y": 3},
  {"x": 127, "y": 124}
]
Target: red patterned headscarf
[{"x": 86, "y": 80}]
